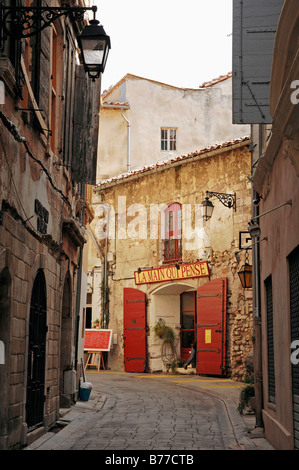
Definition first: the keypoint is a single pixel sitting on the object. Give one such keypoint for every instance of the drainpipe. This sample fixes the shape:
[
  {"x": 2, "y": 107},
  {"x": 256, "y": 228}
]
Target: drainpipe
[
  {"x": 129, "y": 141},
  {"x": 258, "y": 378},
  {"x": 79, "y": 286},
  {"x": 105, "y": 321}
]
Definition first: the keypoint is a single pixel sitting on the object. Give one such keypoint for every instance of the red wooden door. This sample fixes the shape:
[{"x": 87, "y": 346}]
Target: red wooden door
[
  {"x": 134, "y": 330},
  {"x": 211, "y": 327}
]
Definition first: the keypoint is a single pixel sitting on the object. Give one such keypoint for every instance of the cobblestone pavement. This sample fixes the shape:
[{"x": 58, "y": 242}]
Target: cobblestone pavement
[{"x": 154, "y": 412}]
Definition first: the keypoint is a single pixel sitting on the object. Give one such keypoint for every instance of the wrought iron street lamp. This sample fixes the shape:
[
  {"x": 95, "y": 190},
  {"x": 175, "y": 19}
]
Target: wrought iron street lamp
[
  {"x": 228, "y": 200},
  {"x": 22, "y": 22},
  {"x": 207, "y": 208},
  {"x": 94, "y": 45}
]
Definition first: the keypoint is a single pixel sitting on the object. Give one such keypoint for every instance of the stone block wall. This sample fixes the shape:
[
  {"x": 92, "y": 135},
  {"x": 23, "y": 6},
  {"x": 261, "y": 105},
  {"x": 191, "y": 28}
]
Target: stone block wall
[
  {"x": 227, "y": 171},
  {"x": 23, "y": 255}
]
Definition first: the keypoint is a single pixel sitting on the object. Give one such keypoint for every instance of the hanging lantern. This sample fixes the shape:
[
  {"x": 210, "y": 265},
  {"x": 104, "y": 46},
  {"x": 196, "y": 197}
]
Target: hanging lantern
[
  {"x": 245, "y": 274},
  {"x": 207, "y": 208},
  {"x": 95, "y": 45}
]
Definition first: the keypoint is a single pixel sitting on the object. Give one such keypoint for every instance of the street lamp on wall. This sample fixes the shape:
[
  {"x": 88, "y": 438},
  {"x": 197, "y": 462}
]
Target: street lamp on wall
[
  {"x": 245, "y": 274},
  {"x": 94, "y": 45},
  {"x": 22, "y": 22},
  {"x": 228, "y": 200},
  {"x": 207, "y": 209}
]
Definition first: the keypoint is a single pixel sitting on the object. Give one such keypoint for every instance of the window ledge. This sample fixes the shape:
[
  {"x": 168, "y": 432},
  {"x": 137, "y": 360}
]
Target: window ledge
[
  {"x": 7, "y": 74},
  {"x": 75, "y": 231},
  {"x": 271, "y": 405}
]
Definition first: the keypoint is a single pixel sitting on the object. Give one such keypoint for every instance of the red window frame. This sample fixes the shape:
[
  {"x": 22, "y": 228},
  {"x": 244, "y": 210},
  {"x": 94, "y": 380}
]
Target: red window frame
[{"x": 173, "y": 233}]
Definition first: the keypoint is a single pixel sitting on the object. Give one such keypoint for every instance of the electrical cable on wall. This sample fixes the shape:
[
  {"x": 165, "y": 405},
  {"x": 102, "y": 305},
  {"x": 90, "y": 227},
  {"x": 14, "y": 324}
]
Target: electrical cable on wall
[
  {"x": 19, "y": 138},
  {"x": 27, "y": 219}
]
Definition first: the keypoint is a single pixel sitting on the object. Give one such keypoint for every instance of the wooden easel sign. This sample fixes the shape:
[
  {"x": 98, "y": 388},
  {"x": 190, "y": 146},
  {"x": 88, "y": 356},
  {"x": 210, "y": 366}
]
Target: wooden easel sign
[{"x": 95, "y": 343}]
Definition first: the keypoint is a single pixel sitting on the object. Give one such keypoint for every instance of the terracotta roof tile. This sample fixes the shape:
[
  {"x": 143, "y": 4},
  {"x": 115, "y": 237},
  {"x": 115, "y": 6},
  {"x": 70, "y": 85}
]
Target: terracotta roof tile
[
  {"x": 168, "y": 163},
  {"x": 216, "y": 80},
  {"x": 115, "y": 103}
]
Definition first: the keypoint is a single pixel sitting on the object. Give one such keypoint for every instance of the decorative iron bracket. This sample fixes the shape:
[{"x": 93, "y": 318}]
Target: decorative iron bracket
[
  {"x": 24, "y": 22},
  {"x": 228, "y": 200}
]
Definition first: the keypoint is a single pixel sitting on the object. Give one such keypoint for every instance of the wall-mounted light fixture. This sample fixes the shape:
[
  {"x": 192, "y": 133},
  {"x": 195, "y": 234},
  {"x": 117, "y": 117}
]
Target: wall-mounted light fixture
[
  {"x": 94, "y": 45},
  {"x": 245, "y": 273},
  {"x": 22, "y": 22},
  {"x": 145, "y": 267},
  {"x": 228, "y": 200},
  {"x": 253, "y": 225}
]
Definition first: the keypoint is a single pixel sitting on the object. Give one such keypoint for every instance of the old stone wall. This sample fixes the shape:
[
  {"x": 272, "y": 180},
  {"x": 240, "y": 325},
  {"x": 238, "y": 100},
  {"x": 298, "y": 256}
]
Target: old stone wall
[
  {"x": 239, "y": 313},
  {"x": 22, "y": 256},
  {"x": 41, "y": 218},
  {"x": 132, "y": 242}
]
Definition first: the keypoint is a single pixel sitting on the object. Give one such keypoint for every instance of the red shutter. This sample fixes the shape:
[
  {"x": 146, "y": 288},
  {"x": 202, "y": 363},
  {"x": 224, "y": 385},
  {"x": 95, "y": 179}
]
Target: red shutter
[
  {"x": 134, "y": 330},
  {"x": 211, "y": 327}
]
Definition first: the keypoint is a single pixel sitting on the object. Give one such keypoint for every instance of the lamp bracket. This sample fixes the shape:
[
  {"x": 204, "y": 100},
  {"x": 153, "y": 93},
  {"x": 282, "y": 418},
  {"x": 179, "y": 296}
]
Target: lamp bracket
[
  {"x": 288, "y": 202},
  {"x": 23, "y": 22},
  {"x": 228, "y": 200}
]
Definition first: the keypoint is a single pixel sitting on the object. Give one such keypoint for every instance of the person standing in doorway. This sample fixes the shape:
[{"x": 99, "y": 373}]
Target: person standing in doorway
[{"x": 192, "y": 358}]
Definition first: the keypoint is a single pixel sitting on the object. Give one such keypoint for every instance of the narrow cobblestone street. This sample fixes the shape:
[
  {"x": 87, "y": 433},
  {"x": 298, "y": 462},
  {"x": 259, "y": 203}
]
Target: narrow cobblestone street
[
  {"x": 145, "y": 414},
  {"x": 132, "y": 412}
]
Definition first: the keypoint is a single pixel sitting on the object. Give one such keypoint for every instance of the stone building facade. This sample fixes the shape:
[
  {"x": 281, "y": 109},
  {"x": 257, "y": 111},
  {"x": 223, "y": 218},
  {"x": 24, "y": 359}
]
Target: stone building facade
[
  {"x": 43, "y": 220},
  {"x": 153, "y": 275}
]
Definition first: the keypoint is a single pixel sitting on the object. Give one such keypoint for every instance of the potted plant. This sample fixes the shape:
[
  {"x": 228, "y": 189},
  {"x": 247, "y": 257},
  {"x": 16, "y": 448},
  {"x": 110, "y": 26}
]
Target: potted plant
[
  {"x": 164, "y": 332},
  {"x": 247, "y": 394}
]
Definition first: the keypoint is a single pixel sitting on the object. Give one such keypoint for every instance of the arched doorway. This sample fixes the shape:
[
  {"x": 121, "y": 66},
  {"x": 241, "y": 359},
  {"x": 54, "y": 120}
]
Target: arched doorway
[
  {"x": 166, "y": 304},
  {"x": 36, "y": 353}
]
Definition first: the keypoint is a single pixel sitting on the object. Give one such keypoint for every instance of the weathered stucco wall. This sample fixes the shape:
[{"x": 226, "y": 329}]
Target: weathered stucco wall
[
  {"x": 215, "y": 241},
  {"x": 201, "y": 116},
  {"x": 275, "y": 178},
  {"x": 281, "y": 227}
]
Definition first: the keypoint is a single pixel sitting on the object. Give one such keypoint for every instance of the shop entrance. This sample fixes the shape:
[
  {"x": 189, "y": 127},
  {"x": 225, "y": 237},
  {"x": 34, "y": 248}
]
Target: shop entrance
[
  {"x": 188, "y": 316},
  {"x": 203, "y": 319},
  {"x": 195, "y": 315},
  {"x": 135, "y": 359},
  {"x": 211, "y": 304}
]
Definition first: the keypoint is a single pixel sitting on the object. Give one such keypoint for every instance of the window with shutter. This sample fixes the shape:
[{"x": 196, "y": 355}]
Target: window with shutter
[
  {"x": 254, "y": 28},
  {"x": 294, "y": 313},
  {"x": 85, "y": 138},
  {"x": 173, "y": 233},
  {"x": 53, "y": 94},
  {"x": 270, "y": 339},
  {"x": 10, "y": 58}
]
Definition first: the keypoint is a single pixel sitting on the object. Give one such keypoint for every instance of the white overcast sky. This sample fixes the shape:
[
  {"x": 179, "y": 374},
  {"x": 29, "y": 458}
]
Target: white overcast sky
[{"x": 179, "y": 42}]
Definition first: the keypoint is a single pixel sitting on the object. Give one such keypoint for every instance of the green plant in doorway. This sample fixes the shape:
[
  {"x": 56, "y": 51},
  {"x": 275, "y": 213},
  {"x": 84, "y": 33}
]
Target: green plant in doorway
[
  {"x": 174, "y": 366},
  {"x": 168, "y": 350},
  {"x": 105, "y": 292},
  {"x": 164, "y": 332}
]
